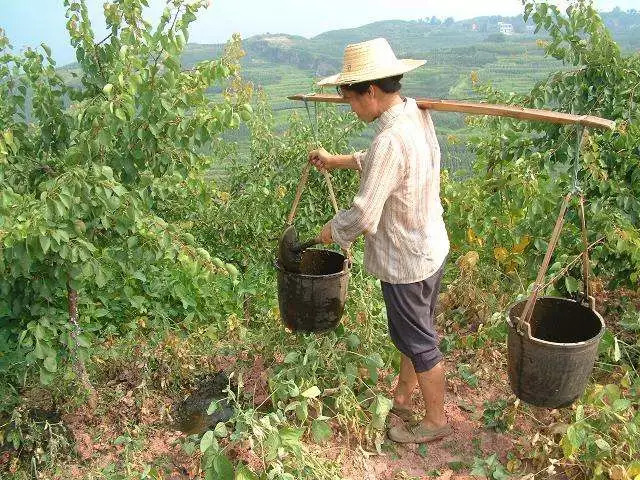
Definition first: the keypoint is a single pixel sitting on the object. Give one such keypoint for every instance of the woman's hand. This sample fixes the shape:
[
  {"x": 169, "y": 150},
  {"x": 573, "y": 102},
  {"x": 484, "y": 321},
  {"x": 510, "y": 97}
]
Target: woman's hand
[
  {"x": 321, "y": 159},
  {"x": 325, "y": 234}
]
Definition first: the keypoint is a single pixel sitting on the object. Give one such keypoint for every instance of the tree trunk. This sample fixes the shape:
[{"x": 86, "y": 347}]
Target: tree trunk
[{"x": 78, "y": 364}]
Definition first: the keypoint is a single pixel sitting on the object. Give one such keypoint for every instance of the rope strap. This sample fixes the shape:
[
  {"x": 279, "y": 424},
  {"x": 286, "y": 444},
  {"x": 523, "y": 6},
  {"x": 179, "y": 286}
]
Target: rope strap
[
  {"x": 301, "y": 184},
  {"x": 527, "y": 312},
  {"x": 528, "y": 308}
]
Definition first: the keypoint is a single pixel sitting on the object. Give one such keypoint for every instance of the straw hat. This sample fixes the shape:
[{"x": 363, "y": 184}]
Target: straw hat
[{"x": 370, "y": 60}]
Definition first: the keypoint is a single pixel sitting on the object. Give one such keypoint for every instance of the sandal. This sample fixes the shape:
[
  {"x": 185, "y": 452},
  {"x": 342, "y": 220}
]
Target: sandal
[
  {"x": 404, "y": 413},
  {"x": 418, "y": 433}
]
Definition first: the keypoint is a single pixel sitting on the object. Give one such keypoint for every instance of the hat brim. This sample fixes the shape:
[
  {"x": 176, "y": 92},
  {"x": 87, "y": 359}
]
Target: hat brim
[{"x": 402, "y": 66}]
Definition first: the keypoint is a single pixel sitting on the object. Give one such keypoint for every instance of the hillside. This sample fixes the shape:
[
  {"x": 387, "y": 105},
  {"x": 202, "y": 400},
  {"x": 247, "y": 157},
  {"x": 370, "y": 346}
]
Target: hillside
[{"x": 284, "y": 64}]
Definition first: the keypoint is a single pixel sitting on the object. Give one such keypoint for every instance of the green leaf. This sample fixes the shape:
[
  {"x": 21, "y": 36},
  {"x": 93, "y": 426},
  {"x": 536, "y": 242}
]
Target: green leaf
[
  {"x": 45, "y": 377},
  {"x": 617, "y": 355},
  {"x": 233, "y": 271},
  {"x": 602, "y": 444},
  {"x": 83, "y": 341},
  {"x": 478, "y": 469},
  {"x": 220, "y": 430},
  {"x": 312, "y": 392},
  {"x": 45, "y": 243},
  {"x": 291, "y": 357},
  {"x": 107, "y": 172},
  {"x": 612, "y": 392},
  {"x": 213, "y": 406},
  {"x": 271, "y": 444},
  {"x": 50, "y": 364},
  {"x": 574, "y": 436},
  {"x": 46, "y": 49},
  {"x": 121, "y": 115},
  {"x": 166, "y": 104},
  {"x": 107, "y": 88},
  {"x": 353, "y": 341},
  {"x": 290, "y": 437},
  {"x": 320, "y": 431},
  {"x": 9, "y": 139},
  {"x": 207, "y": 441},
  {"x": 38, "y": 351},
  {"x": 423, "y": 450},
  {"x": 223, "y": 467},
  {"x": 302, "y": 410},
  {"x": 567, "y": 447},
  {"x": 100, "y": 278},
  {"x": 243, "y": 473},
  {"x": 351, "y": 373},
  {"x": 621, "y": 404},
  {"x": 380, "y": 408},
  {"x": 188, "y": 17},
  {"x": 103, "y": 138},
  {"x": 571, "y": 284}
]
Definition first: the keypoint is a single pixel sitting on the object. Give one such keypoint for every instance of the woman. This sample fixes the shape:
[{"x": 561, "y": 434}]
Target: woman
[{"x": 398, "y": 210}]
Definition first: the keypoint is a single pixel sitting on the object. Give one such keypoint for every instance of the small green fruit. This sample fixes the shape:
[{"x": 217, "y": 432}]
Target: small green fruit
[
  {"x": 233, "y": 271},
  {"x": 79, "y": 227},
  {"x": 217, "y": 262},
  {"x": 189, "y": 239}
]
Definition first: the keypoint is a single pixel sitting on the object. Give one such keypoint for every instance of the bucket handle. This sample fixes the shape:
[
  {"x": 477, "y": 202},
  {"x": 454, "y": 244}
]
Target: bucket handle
[
  {"x": 301, "y": 183},
  {"x": 523, "y": 325}
]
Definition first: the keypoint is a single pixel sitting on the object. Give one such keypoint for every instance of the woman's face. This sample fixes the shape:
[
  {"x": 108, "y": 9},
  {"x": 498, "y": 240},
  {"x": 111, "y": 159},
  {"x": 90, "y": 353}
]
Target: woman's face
[{"x": 362, "y": 104}]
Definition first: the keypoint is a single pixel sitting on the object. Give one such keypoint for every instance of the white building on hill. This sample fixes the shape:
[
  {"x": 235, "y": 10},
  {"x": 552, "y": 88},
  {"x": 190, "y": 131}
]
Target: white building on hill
[{"x": 505, "y": 28}]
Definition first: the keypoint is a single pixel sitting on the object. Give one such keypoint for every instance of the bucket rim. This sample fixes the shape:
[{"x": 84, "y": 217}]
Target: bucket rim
[
  {"x": 346, "y": 268},
  {"x": 594, "y": 339}
]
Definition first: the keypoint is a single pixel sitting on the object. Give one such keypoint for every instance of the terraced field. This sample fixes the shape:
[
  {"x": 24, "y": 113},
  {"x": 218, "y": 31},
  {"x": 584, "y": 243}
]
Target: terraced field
[{"x": 283, "y": 65}]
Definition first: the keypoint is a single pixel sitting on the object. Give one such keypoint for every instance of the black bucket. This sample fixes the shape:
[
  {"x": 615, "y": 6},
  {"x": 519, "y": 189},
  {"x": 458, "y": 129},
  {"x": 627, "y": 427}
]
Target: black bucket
[
  {"x": 313, "y": 300},
  {"x": 550, "y": 360}
]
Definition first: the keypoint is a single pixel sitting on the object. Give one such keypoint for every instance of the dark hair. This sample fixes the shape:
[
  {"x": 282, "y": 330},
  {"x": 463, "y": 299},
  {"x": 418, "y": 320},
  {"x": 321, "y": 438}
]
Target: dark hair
[{"x": 387, "y": 85}]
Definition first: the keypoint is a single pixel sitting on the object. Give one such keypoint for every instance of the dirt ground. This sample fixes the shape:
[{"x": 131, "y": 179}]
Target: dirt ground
[{"x": 130, "y": 431}]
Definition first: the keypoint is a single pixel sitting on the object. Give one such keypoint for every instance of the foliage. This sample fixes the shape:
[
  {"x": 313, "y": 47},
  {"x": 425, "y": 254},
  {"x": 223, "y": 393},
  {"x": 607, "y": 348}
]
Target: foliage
[
  {"x": 489, "y": 467},
  {"x": 495, "y": 415},
  {"x": 523, "y": 169},
  {"x": 605, "y": 432},
  {"x": 503, "y": 214},
  {"x": 82, "y": 181},
  {"x": 252, "y": 211}
]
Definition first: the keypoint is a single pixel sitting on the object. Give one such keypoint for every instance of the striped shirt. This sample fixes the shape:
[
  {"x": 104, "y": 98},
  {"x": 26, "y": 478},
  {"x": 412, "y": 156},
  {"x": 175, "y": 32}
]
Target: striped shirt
[{"x": 398, "y": 203}]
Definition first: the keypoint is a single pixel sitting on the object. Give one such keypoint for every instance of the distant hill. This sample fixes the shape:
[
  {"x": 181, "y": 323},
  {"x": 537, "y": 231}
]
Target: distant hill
[{"x": 284, "y": 64}]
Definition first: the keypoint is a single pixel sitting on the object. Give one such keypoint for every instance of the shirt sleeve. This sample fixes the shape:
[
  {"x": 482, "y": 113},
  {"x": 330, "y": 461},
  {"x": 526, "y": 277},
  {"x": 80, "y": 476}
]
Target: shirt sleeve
[
  {"x": 359, "y": 156},
  {"x": 381, "y": 173}
]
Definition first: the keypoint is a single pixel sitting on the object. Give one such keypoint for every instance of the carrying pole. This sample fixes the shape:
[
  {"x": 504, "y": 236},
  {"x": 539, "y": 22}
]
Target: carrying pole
[{"x": 512, "y": 111}]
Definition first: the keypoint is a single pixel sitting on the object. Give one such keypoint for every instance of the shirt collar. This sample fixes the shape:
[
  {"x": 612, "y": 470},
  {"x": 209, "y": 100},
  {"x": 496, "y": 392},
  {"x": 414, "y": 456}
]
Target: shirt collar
[{"x": 388, "y": 116}]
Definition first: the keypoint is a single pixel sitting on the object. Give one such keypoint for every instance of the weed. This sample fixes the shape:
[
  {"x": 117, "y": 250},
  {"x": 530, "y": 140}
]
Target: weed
[
  {"x": 494, "y": 415},
  {"x": 489, "y": 467}
]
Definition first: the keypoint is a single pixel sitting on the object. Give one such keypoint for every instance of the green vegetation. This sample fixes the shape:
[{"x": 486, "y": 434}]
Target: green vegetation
[{"x": 137, "y": 245}]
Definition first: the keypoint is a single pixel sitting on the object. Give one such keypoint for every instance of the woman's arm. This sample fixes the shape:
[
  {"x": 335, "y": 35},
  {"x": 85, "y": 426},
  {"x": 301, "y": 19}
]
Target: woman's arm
[{"x": 325, "y": 160}]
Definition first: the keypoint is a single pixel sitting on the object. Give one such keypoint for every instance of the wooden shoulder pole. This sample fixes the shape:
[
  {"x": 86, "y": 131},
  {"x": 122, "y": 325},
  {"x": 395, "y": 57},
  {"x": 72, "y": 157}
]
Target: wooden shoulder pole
[{"x": 484, "y": 109}]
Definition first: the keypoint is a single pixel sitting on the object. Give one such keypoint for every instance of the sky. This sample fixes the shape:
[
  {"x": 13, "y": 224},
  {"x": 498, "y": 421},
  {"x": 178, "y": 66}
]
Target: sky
[{"x": 29, "y": 22}]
